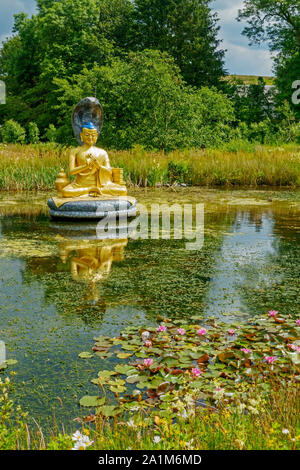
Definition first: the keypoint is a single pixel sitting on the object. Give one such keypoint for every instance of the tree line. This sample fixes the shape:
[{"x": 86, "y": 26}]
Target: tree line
[{"x": 157, "y": 67}]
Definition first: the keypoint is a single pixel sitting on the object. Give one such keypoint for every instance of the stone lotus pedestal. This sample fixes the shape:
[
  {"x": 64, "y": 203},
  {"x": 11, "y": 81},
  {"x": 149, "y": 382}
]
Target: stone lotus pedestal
[{"x": 92, "y": 207}]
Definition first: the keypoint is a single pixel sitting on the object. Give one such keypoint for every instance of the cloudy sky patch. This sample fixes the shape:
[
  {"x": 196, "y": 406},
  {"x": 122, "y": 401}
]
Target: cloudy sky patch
[
  {"x": 7, "y": 10},
  {"x": 240, "y": 57}
]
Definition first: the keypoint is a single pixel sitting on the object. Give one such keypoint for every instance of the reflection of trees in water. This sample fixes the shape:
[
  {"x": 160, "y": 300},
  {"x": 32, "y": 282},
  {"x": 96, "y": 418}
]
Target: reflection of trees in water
[
  {"x": 278, "y": 287},
  {"x": 251, "y": 218},
  {"x": 160, "y": 276}
]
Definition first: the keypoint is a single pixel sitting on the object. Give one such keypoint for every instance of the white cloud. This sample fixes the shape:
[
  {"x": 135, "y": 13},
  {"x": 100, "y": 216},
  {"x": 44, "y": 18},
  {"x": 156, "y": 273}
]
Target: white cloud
[{"x": 240, "y": 58}]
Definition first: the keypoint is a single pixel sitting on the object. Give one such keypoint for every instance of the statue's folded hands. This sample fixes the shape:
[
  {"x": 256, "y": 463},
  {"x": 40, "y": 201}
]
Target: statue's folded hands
[{"x": 90, "y": 165}]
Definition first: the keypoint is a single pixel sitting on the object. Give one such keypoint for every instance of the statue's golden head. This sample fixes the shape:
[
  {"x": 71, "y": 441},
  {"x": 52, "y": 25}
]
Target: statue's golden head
[{"x": 89, "y": 134}]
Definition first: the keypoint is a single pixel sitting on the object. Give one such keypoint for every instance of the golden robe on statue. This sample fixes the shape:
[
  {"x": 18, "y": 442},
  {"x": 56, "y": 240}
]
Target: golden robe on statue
[{"x": 92, "y": 171}]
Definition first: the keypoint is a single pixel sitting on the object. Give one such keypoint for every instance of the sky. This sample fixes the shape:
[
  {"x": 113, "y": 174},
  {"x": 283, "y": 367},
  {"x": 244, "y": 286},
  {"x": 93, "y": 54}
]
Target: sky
[{"x": 240, "y": 58}]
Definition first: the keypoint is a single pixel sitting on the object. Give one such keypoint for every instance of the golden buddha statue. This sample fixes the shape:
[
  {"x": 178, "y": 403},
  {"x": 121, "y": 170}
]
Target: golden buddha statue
[
  {"x": 90, "y": 166},
  {"x": 98, "y": 189}
]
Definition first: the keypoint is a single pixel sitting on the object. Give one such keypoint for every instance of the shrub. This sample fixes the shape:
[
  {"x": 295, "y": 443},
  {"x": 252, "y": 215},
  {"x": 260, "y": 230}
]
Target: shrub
[
  {"x": 13, "y": 132},
  {"x": 147, "y": 103},
  {"x": 33, "y": 133},
  {"x": 178, "y": 172},
  {"x": 51, "y": 133}
]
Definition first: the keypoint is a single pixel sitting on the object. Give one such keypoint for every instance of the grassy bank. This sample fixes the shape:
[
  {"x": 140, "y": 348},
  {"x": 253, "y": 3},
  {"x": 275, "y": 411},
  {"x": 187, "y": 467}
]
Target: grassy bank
[
  {"x": 272, "y": 424},
  {"x": 35, "y": 167},
  {"x": 251, "y": 79}
]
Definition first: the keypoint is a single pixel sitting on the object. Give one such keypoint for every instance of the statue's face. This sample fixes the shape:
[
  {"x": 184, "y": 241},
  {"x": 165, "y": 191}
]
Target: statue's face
[{"x": 89, "y": 136}]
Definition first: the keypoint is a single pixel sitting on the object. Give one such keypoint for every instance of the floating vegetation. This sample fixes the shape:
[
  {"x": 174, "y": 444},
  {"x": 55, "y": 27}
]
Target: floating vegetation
[
  {"x": 176, "y": 367},
  {"x": 8, "y": 362}
]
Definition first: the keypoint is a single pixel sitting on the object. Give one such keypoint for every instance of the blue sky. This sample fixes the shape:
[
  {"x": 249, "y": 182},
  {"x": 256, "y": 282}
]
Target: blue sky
[{"x": 240, "y": 57}]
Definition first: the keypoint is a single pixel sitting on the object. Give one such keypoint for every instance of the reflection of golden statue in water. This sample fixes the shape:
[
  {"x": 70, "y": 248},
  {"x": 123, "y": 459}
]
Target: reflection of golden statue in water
[
  {"x": 91, "y": 260},
  {"x": 90, "y": 165}
]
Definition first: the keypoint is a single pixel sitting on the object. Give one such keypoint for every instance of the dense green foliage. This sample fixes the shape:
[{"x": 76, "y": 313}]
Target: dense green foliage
[
  {"x": 156, "y": 67},
  {"x": 186, "y": 30},
  {"x": 146, "y": 102},
  {"x": 12, "y": 132},
  {"x": 69, "y": 43},
  {"x": 277, "y": 22}
]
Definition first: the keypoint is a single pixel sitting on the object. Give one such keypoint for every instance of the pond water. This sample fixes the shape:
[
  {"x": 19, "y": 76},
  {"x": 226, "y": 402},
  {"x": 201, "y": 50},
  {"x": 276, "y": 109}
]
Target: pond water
[{"x": 61, "y": 286}]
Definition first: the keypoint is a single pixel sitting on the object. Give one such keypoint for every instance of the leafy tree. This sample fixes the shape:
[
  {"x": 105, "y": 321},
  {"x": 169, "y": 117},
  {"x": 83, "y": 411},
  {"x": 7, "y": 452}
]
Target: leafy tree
[
  {"x": 146, "y": 102},
  {"x": 288, "y": 72},
  {"x": 252, "y": 103},
  {"x": 186, "y": 30},
  {"x": 278, "y": 22},
  {"x": 64, "y": 37}
]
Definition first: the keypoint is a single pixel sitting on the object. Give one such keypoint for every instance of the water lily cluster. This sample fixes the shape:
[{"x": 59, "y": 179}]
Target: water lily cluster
[{"x": 160, "y": 366}]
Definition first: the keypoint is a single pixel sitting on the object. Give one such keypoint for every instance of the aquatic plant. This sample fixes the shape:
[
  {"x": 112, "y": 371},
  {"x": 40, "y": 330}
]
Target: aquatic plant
[{"x": 198, "y": 363}]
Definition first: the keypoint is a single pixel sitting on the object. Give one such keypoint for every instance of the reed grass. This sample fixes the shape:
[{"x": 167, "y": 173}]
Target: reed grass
[{"x": 35, "y": 167}]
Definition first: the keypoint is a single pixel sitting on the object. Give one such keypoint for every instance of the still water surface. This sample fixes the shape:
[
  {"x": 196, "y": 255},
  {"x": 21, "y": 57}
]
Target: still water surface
[{"x": 60, "y": 287}]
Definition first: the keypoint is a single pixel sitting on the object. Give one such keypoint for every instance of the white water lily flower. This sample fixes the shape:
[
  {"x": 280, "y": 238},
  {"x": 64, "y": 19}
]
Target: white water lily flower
[
  {"x": 156, "y": 439},
  {"x": 145, "y": 335}
]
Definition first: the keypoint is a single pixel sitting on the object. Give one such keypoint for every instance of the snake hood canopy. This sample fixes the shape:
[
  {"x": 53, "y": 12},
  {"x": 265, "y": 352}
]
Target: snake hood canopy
[{"x": 88, "y": 112}]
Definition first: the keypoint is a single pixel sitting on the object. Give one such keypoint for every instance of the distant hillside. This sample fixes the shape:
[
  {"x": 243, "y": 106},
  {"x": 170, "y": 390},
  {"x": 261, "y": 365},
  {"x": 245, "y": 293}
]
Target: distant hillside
[{"x": 251, "y": 79}]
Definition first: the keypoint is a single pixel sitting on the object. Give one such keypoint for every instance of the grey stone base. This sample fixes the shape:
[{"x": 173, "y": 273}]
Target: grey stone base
[{"x": 92, "y": 209}]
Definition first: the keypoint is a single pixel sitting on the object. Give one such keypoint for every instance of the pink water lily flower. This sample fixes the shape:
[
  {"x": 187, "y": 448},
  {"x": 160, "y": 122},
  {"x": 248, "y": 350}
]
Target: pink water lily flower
[
  {"x": 202, "y": 332},
  {"x": 246, "y": 350},
  {"x": 162, "y": 328},
  {"x": 148, "y": 344},
  {"x": 298, "y": 322},
  {"x": 148, "y": 362},
  {"x": 270, "y": 359},
  {"x": 272, "y": 313},
  {"x": 181, "y": 331},
  {"x": 196, "y": 372},
  {"x": 292, "y": 346},
  {"x": 231, "y": 332}
]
